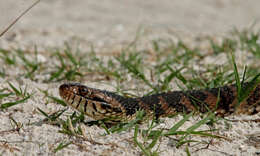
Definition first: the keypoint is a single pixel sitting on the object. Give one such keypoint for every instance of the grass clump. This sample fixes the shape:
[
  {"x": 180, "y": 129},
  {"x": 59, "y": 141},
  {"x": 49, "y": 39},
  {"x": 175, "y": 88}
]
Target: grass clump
[
  {"x": 17, "y": 95},
  {"x": 136, "y": 73}
]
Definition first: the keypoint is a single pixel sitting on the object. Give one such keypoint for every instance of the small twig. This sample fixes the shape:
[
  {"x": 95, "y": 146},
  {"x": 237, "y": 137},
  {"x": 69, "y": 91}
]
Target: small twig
[
  {"x": 81, "y": 146},
  {"x": 89, "y": 140},
  {"x": 21, "y": 15},
  {"x": 224, "y": 153},
  {"x": 206, "y": 147}
]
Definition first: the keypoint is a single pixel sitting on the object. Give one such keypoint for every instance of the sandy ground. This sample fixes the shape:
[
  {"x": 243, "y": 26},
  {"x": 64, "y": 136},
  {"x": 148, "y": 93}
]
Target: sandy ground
[
  {"x": 113, "y": 23},
  {"x": 110, "y": 25}
]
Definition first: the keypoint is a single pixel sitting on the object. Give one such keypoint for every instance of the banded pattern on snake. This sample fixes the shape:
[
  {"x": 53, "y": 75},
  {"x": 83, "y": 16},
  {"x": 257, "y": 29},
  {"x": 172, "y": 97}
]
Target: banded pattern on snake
[{"x": 101, "y": 104}]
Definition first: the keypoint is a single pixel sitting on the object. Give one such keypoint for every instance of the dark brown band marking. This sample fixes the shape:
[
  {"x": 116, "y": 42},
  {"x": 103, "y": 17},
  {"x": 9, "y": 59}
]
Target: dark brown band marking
[
  {"x": 94, "y": 106},
  {"x": 85, "y": 106},
  {"x": 79, "y": 102},
  {"x": 73, "y": 99}
]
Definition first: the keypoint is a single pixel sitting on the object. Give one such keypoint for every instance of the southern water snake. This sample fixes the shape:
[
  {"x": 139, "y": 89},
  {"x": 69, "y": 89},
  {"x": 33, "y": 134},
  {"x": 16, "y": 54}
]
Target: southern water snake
[{"x": 100, "y": 104}]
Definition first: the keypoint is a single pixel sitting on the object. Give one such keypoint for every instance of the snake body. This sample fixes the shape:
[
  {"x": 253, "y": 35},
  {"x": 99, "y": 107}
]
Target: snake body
[{"x": 101, "y": 104}]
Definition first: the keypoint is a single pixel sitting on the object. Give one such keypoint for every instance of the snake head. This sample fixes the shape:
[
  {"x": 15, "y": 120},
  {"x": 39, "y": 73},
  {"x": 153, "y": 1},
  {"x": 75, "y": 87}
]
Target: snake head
[
  {"x": 98, "y": 104},
  {"x": 68, "y": 89}
]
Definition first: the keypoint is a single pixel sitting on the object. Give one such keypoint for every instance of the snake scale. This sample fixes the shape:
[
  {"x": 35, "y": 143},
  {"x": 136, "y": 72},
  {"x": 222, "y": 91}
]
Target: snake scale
[{"x": 101, "y": 104}]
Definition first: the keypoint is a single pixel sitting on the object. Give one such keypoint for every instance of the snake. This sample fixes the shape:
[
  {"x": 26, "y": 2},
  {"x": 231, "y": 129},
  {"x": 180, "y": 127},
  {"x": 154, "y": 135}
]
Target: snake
[{"x": 102, "y": 104}]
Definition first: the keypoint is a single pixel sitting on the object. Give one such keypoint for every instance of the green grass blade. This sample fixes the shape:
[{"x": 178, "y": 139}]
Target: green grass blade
[
  {"x": 70, "y": 56},
  {"x": 59, "y": 101},
  {"x": 155, "y": 139},
  {"x": 3, "y": 95},
  {"x": 61, "y": 146},
  {"x": 182, "y": 142},
  {"x": 10, "y": 104},
  {"x": 44, "y": 114},
  {"x": 244, "y": 75},
  {"x": 130, "y": 124},
  {"x": 187, "y": 151},
  {"x": 238, "y": 84},
  {"x": 249, "y": 88},
  {"x": 57, "y": 74},
  {"x": 145, "y": 151},
  {"x": 201, "y": 122},
  {"x": 169, "y": 78},
  {"x": 195, "y": 126},
  {"x": 178, "y": 125},
  {"x": 17, "y": 92}
]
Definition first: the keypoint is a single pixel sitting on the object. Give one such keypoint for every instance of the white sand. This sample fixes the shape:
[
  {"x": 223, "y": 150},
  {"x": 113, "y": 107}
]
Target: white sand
[{"x": 110, "y": 25}]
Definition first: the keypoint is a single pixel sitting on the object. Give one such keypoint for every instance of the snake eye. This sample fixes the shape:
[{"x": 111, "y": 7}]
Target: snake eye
[{"x": 83, "y": 90}]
